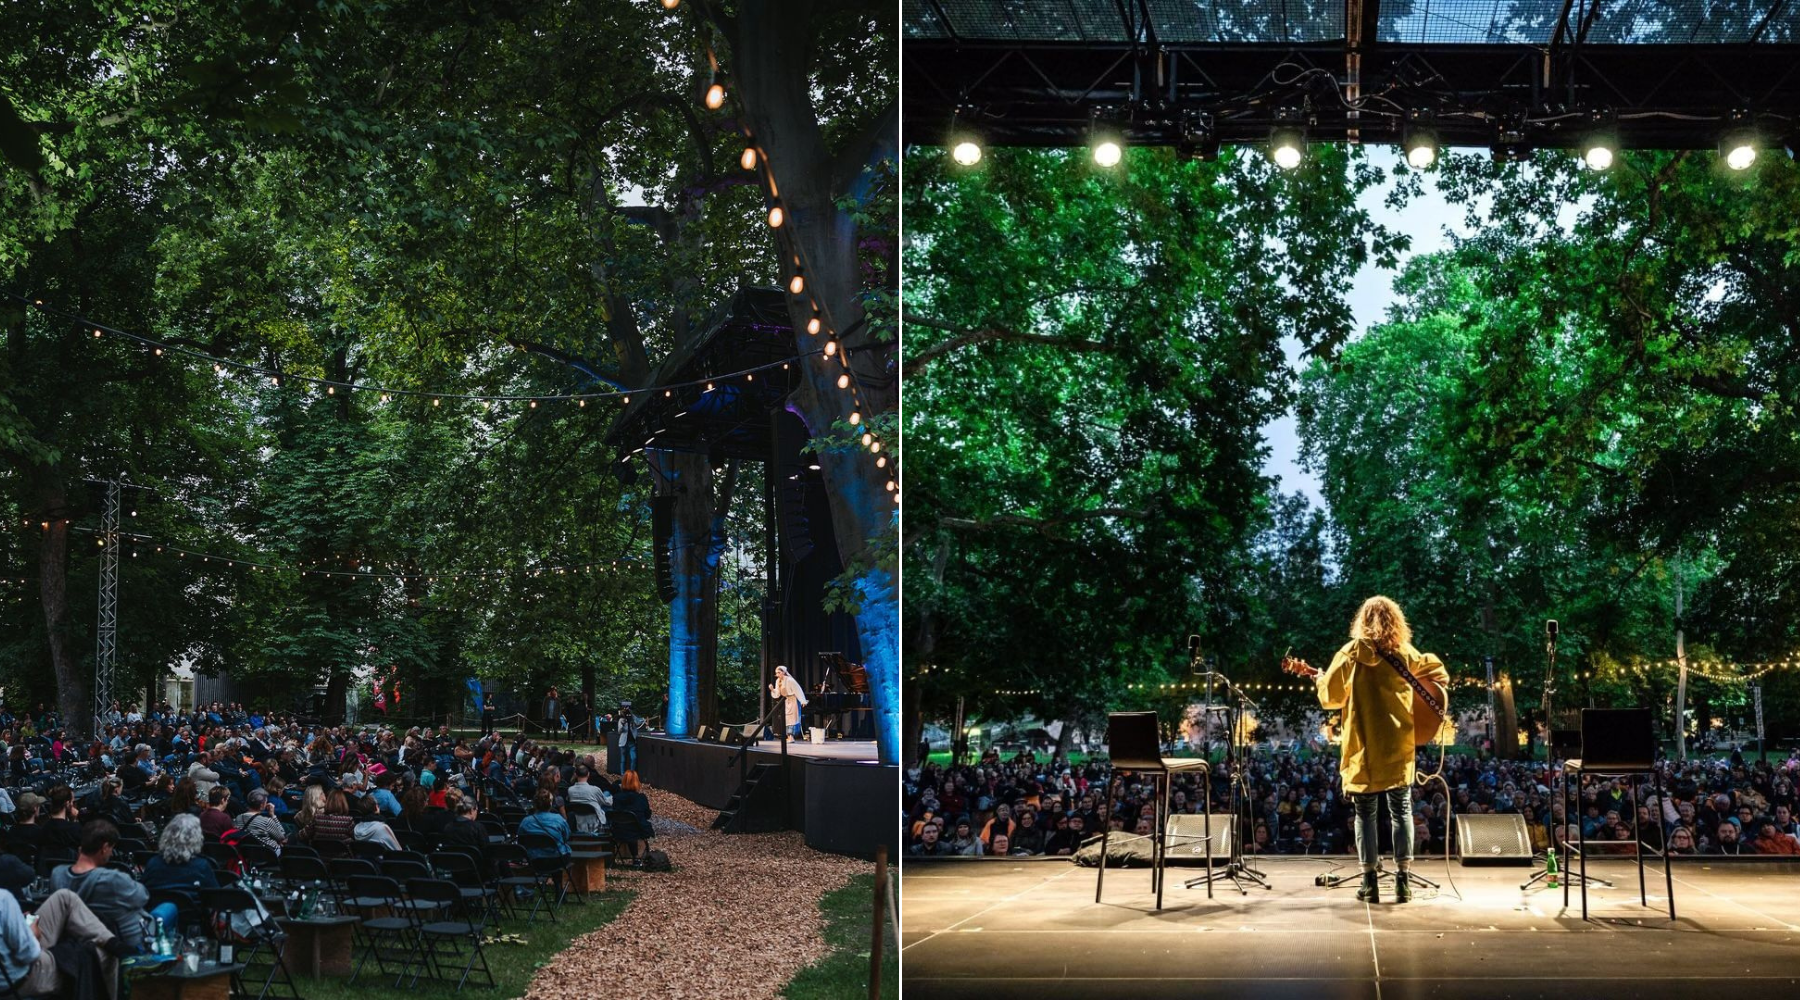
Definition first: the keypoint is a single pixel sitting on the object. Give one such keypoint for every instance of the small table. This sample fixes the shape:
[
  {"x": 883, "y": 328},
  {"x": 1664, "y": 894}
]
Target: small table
[
  {"x": 209, "y": 982},
  {"x": 587, "y": 869},
  {"x": 319, "y": 946}
]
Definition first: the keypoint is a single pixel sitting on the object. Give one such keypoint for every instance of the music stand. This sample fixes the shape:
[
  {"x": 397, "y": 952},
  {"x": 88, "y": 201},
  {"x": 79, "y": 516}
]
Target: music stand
[{"x": 1133, "y": 744}]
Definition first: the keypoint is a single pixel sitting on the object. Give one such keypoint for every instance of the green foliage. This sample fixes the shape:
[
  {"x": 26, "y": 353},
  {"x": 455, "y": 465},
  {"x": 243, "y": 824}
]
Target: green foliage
[{"x": 844, "y": 971}]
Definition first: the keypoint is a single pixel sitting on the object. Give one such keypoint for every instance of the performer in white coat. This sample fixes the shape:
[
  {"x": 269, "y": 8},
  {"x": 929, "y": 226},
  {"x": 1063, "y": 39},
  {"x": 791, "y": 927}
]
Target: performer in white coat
[{"x": 787, "y": 688}]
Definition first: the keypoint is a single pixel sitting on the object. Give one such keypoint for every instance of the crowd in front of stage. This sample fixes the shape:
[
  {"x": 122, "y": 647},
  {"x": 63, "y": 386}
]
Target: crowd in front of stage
[
  {"x": 157, "y": 786},
  {"x": 1019, "y": 806}
]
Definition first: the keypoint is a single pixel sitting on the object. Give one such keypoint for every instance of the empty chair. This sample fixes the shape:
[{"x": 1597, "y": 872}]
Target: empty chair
[
  {"x": 237, "y": 917},
  {"x": 1134, "y": 743},
  {"x": 447, "y": 936},
  {"x": 1617, "y": 743},
  {"x": 385, "y": 925}
]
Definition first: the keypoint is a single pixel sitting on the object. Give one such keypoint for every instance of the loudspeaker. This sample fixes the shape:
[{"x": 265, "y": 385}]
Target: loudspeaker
[
  {"x": 1491, "y": 838},
  {"x": 1185, "y": 831},
  {"x": 662, "y": 529},
  {"x": 701, "y": 735}
]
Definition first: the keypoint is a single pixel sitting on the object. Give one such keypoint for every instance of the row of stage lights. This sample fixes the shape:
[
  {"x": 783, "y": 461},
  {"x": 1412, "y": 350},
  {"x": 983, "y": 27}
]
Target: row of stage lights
[{"x": 1739, "y": 146}]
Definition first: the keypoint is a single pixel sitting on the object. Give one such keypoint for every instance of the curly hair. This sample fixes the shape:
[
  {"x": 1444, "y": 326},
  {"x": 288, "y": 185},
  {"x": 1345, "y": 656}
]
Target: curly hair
[
  {"x": 180, "y": 840},
  {"x": 1382, "y": 623}
]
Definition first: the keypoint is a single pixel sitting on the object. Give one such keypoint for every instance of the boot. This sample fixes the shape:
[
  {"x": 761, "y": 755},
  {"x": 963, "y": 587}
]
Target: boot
[
  {"x": 1402, "y": 888},
  {"x": 1371, "y": 889}
]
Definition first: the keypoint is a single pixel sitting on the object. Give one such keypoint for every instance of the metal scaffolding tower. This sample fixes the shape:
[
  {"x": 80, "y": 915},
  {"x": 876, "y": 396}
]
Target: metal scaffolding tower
[{"x": 106, "y": 634}]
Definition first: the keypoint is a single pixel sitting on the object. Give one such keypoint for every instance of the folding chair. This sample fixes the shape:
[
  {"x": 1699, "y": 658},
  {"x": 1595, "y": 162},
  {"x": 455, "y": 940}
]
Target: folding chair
[
  {"x": 1134, "y": 744},
  {"x": 260, "y": 858},
  {"x": 462, "y": 936},
  {"x": 464, "y": 870},
  {"x": 1617, "y": 743},
  {"x": 384, "y": 919},
  {"x": 260, "y": 945},
  {"x": 514, "y": 874},
  {"x": 224, "y": 857}
]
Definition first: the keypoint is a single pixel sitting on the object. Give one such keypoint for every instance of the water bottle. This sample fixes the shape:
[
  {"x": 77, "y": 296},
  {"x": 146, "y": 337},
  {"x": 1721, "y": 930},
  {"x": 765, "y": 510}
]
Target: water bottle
[{"x": 1550, "y": 868}]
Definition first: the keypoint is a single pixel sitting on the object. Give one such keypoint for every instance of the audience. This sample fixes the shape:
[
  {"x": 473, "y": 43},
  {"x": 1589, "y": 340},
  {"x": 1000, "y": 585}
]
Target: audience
[
  {"x": 1712, "y": 806},
  {"x": 115, "y": 897}
]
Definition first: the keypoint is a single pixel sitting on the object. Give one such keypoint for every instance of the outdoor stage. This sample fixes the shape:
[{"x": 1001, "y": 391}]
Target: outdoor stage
[
  {"x": 838, "y": 794},
  {"x": 998, "y": 929}
]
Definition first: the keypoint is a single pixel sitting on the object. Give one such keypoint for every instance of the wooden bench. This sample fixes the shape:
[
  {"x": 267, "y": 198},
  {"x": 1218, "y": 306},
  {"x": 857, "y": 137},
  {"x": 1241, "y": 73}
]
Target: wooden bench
[
  {"x": 587, "y": 868},
  {"x": 209, "y": 982},
  {"x": 319, "y": 946}
]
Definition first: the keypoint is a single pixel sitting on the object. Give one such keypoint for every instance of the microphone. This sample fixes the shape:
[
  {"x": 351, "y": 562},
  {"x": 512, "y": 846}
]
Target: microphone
[{"x": 1550, "y": 628}]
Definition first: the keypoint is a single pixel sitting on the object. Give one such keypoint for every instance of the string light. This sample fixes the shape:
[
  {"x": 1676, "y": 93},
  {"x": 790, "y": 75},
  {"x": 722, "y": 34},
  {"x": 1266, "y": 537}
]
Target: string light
[
  {"x": 748, "y": 159},
  {"x": 777, "y": 215},
  {"x": 797, "y": 284},
  {"x": 715, "y": 97},
  {"x": 812, "y": 325}
]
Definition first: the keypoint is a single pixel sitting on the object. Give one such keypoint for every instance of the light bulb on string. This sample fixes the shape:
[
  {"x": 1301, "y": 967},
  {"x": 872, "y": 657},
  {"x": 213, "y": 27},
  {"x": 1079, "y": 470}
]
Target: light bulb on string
[
  {"x": 777, "y": 215},
  {"x": 881, "y": 463},
  {"x": 831, "y": 347},
  {"x": 855, "y": 418},
  {"x": 748, "y": 159},
  {"x": 715, "y": 96},
  {"x": 813, "y": 325},
  {"x": 96, "y": 333},
  {"x": 797, "y": 284},
  {"x": 843, "y": 381},
  {"x": 867, "y": 439},
  {"x": 156, "y": 351}
]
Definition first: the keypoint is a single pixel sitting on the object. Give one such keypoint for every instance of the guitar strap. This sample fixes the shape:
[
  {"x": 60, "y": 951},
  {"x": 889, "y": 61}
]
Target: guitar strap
[{"x": 1418, "y": 689}]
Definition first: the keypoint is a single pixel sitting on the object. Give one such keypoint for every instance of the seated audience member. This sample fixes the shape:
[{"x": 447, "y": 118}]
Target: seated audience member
[
  {"x": 582, "y": 790},
  {"x": 929, "y": 846},
  {"x": 114, "y": 896},
  {"x": 384, "y": 794},
  {"x": 177, "y": 866},
  {"x": 1028, "y": 839},
  {"x": 965, "y": 843},
  {"x": 465, "y": 832},
  {"x": 203, "y": 776},
  {"x": 1772, "y": 841},
  {"x": 214, "y": 820},
  {"x": 259, "y": 822},
  {"x": 26, "y": 834},
  {"x": 185, "y": 798},
  {"x": 545, "y": 820},
  {"x": 26, "y": 949},
  {"x": 112, "y": 805},
  {"x": 1681, "y": 841},
  {"x": 1728, "y": 841},
  {"x": 335, "y": 823},
  {"x": 370, "y": 827},
  {"x": 60, "y": 828},
  {"x": 631, "y": 815}
]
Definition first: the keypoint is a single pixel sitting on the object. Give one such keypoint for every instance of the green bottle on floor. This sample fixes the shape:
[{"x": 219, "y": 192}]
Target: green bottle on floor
[{"x": 1550, "y": 868}]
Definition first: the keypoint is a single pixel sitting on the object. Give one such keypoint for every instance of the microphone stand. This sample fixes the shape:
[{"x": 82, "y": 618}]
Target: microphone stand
[
  {"x": 1237, "y": 870},
  {"x": 1568, "y": 874}
]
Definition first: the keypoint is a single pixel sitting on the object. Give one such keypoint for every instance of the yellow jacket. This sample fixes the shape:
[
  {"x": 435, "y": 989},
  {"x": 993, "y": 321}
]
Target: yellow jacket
[{"x": 1378, "y": 712}]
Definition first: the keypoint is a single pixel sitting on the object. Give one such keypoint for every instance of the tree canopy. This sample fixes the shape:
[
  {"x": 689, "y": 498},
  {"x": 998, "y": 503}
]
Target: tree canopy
[
  {"x": 1577, "y": 409},
  {"x": 528, "y": 199}
]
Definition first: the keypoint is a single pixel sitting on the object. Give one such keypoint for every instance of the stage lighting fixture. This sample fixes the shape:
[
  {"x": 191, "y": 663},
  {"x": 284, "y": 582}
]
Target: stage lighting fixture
[
  {"x": 1737, "y": 148},
  {"x": 1198, "y": 141},
  {"x": 1107, "y": 150},
  {"x": 1599, "y": 150},
  {"x": 966, "y": 151},
  {"x": 1287, "y": 147},
  {"x": 1421, "y": 147}
]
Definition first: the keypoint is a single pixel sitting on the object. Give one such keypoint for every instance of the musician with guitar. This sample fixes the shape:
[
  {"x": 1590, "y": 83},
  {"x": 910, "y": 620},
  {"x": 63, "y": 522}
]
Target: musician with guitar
[{"x": 1392, "y": 698}]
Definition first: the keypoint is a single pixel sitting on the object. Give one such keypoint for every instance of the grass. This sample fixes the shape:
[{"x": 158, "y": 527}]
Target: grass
[
  {"x": 844, "y": 971},
  {"x": 513, "y": 964}
]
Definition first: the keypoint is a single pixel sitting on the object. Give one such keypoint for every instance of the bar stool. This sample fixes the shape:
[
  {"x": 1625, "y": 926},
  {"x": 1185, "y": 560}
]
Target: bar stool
[{"x": 1133, "y": 744}]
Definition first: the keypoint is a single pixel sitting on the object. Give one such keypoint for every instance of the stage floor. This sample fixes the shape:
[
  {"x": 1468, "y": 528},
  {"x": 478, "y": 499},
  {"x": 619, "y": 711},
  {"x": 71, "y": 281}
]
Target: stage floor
[
  {"x": 861, "y": 750},
  {"x": 995, "y": 930}
]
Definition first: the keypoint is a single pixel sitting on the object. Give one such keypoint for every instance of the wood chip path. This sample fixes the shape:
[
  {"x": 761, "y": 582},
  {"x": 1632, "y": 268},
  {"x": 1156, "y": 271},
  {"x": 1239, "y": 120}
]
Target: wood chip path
[{"x": 735, "y": 920}]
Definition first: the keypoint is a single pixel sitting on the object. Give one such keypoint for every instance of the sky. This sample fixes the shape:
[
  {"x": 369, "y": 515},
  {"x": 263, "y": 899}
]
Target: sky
[{"x": 1425, "y": 218}]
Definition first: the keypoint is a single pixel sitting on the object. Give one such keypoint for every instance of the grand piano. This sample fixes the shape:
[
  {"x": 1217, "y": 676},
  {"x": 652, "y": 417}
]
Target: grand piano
[{"x": 841, "y": 702}]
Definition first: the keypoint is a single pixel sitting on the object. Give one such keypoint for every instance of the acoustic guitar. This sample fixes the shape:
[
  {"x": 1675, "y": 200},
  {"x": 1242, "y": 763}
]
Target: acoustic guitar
[{"x": 1428, "y": 723}]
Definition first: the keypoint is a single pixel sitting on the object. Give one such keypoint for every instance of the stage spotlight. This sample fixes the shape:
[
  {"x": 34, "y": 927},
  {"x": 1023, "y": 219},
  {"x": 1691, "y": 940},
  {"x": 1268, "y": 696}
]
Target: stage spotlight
[
  {"x": 966, "y": 151},
  {"x": 1737, "y": 149},
  {"x": 1107, "y": 150},
  {"x": 1421, "y": 148},
  {"x": 1599, "y": 150},
  {"x": 1287, "y": 147}
]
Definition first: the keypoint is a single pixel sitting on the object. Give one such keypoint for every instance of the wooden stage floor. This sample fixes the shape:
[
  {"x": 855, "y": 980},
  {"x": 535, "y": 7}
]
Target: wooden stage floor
[{"x": 1002, "y": 929}]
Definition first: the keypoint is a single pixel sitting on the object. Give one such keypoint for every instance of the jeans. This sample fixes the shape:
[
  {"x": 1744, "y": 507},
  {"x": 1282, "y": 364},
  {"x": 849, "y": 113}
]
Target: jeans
[{"x": 1368, "y": 835}]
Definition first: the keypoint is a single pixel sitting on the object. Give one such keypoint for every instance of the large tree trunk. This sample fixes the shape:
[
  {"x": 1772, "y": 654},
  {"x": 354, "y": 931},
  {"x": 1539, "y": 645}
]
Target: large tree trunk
[
  {"x": 912, "y": 696},
  {"x": 72, "y": 690},
  {"x": 771, "y": 57}
]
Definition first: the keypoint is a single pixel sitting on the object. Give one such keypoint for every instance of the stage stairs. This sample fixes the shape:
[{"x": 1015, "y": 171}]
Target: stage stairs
[{"x": 759, "y": 805}]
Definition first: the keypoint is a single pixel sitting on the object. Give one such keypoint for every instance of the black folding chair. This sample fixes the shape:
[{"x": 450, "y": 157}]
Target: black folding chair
[
  {"x": 461, "y": 935},
  {"x": 1133, "y": 743},
  {"x": 514, "y": 875},
  {"x": 1617, "y": 743},
  {"x": 223, "y": 856},
  {"x": 385, "y": 924},
  {"x": 259, "y": 946}
]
